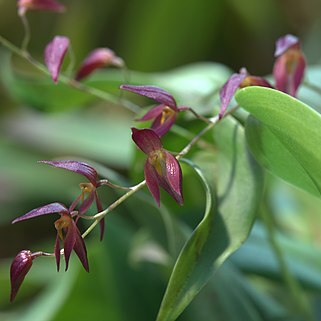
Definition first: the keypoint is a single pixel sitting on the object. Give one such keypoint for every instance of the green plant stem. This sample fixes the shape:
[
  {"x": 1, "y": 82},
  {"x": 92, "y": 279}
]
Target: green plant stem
[
  {"x": 102, "y": 214},
  {"x": 27, "y": 35},
  {"x": 212, "y": 121},
  {"x": 293, "y": 285},
  {"x": 69, "y": 81}
]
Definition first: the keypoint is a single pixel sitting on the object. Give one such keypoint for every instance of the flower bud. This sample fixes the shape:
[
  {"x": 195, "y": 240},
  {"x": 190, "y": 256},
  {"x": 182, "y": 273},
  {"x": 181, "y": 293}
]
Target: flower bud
[
  {"x": 47, "y": 5},
  {"x": 98, "y": 58},
  {"x": 55, "y": 52},
  {"x": 19, "y": 269}
]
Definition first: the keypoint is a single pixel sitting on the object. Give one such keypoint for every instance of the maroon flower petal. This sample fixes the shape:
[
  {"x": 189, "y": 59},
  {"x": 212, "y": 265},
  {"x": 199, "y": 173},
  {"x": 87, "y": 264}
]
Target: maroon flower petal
[
  {"x": 98, "y": 58},
  {"x": 163, "y": 124},
  {"x": 152, "y": 113},
  {"x": 146, "y": 139},
  {"x": 54, "y": 54},
  {"x": 19, "y": 268},
  {"x": 87, "y": 202},
  {"x": 285, "y": 43},
  {"x": 47, "y": 5},
  {"x": 70, "y": 240},
  {"x": 43, "y": 210},
  {"x": 57, "y": 251},
  {"x": 156, "y": 93},
  {"x": 80, "y": 249},
  {"x": 76, "y": 167},
  {"x": 171, "y": 177},
  {"x": 288, "y": 71},
  {"x": 228, "y": 90},
  {"x": 152, "y": 181}
]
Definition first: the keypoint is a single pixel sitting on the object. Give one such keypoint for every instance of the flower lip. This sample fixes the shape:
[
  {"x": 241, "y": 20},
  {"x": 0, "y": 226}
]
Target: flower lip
[
  {"x": 284, "y": 43},
  {"x": 158, "y": 94}
]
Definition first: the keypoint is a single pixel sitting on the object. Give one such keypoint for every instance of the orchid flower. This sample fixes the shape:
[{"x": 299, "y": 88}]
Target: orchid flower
[
  {"x": 46, "y": 5},
  {"x": 67, "y": 231},
  {"x": 236, "y": 81},
  {"x": 55, "y": 52},
  {"x": 20, "y": 266},
  {"x": 91, "y": 188},
  {"x": 161, "y": 168},
  {"x": 98, "y": 58},
  {"x": 289, "y": 67},
  {"x": 288, "y": 72},
  {"x": 164, "y": 115}
]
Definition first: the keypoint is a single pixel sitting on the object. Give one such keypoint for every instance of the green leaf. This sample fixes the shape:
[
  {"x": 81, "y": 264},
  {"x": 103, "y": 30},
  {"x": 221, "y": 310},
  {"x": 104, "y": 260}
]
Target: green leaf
[
  {"x": 285, "y": 138},
  {"x": 227, "y": 220},
  {"x": 194, "y": 265}
]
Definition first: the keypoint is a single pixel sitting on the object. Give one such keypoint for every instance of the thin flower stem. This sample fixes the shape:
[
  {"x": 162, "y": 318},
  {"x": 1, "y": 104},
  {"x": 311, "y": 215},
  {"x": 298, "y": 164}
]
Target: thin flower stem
[
  {"x": 188, "y": 147},
  {"x": 134, "y": 189},
  {"x": 102, "y": 214},
  {"x": 198, "y": 116},
  {"x": 106, "y": 182},
  {"x": 69, "y": 81},
  {"x": 27, "y": 35}
]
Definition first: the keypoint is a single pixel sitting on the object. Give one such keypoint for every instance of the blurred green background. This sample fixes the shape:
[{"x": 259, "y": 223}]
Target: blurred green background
[{"x": 151, "y": 36}]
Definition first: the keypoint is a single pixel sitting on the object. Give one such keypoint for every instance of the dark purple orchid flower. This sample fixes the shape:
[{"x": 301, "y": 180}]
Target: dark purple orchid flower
[
  {"x": 288, "y": 72},
  {"x": 161, "y": 167},
  {"x": 236, "y": 81},
  {"x": 228, "y": 90},
  {"x": 19, "y": 268},
  {"x": 46, "y": 5},
  {"x": 164, "y": 115},
  {"x": 98, "y": 58},
  {"x": 87, "y": 188},
  {"x": 54, "y": 55},
  {"x": 67, "y": 231},
  {"x": 289, "y": 67}
]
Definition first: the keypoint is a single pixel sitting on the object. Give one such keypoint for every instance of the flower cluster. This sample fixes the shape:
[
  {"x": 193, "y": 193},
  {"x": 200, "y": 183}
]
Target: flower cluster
[
  {"x": 288, "y": 72},
  {"x": 161, "y": 168},
  {"x": 66, "y": 225}
]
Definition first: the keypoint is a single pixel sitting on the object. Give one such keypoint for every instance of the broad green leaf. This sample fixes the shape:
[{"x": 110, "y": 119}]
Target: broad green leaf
[
  {"x": 194, "y": 265},
  {"x": 226, "y": 223},
  {"x": 286, "y": 136}
]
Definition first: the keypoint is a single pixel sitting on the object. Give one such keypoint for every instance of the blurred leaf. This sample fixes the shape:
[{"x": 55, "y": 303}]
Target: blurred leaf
[
  {"x": 46, "y": 304},
  {"x": 236, "y": 298},
  {"x": 39, "y": 91},
  {"x": 307, "y": 94},
  {"x": 286, "y": 140},
  {"x": 224, "y": 227},
  {"x": 86, "y": 135},
  {"x": 257, "y": 257}
]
